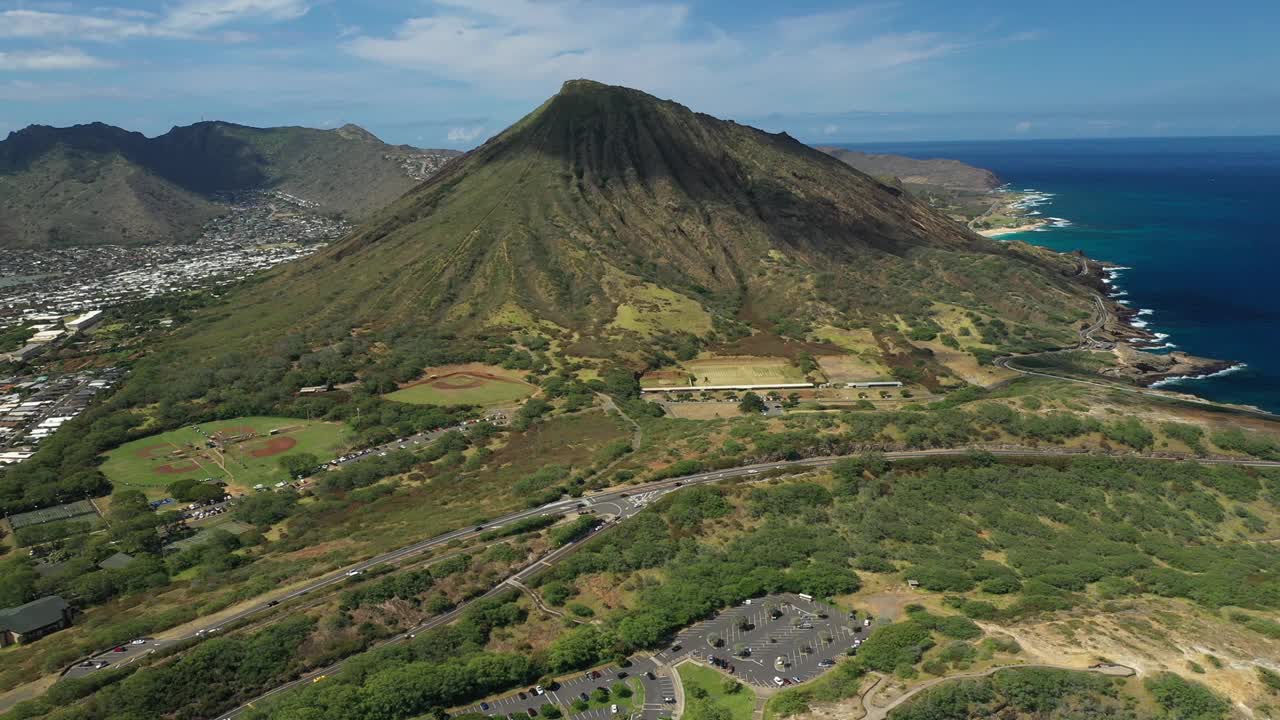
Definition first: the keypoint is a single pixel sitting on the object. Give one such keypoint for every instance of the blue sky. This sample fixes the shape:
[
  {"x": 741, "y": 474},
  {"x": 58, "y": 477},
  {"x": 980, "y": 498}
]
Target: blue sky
[{"x": 449, "y": 73}]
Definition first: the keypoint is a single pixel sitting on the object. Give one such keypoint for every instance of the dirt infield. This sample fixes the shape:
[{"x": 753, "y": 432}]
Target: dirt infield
[
  {"x": 273, "y": 446},
  {"x": 462, "y": 380},
  {"x": 151, "y": 452},
  {"x": 177, "y": 469}
]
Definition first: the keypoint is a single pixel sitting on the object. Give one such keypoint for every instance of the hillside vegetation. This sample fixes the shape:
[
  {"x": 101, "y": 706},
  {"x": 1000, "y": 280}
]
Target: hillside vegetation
[
  {"x": 950, "y": 174},
  {"x": 96, "y": 183},
  {"x": 606, "y": 207}
]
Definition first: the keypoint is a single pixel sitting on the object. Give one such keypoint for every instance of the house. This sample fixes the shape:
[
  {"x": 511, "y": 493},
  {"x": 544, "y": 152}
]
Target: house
[
  {"x": 85, "y": 321},
  {"x": 30, "y": 622},
  {"x": 119, "y": 561}
]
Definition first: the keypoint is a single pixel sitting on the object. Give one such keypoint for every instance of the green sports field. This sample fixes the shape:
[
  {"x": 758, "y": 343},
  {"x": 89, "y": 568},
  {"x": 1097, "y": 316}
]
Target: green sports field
[
  {"x": 248, "y": 456},
  {"x": 464, "y": 388}
]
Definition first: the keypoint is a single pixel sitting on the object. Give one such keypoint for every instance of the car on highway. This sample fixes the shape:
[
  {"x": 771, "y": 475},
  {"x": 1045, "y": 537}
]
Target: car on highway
[
  {"x": 354, "y": 573},
  {"x": 118, "y": 648},
  {"x": 273, "y": 603},
  {"x": 139, "y": 641}
]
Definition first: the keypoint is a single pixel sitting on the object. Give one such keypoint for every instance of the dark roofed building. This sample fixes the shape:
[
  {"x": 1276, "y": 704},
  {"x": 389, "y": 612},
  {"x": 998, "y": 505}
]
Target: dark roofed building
[
  {"x": 119, "y": 561},
  {"x": 30, "y": 622}
]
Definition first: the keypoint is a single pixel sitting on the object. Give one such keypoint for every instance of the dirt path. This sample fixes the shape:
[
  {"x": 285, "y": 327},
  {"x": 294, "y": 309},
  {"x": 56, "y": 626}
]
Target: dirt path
[
  {"x": 537, "y": 600},
  {"x": 873, "y": 712}
]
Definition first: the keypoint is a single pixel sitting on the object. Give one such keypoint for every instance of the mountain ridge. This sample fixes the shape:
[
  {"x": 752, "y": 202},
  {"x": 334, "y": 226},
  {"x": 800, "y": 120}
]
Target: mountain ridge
[
  {"x": 609, "y": 215},
  {"x": 97, "y": 183},
  {"x": 941, "y": 172}
]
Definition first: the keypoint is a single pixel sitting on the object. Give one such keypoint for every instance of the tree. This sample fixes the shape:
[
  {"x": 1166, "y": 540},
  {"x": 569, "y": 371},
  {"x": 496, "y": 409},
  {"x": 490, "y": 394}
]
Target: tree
[
  {"x": 299, "y": 465},
  {"x": 750, "y": 404},
  {"x": 550, "y": 711}
]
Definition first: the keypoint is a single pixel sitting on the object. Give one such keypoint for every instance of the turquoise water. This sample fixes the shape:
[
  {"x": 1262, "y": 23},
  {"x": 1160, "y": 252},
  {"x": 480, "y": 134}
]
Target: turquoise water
[{"x": 1194, "y": 218}]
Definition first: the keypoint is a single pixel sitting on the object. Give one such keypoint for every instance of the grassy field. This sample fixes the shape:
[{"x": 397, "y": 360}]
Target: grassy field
[
  {"x": 851, "y": 368},
  {"x": 252, "y": 458},
  {"x": 738, "y": 370},
  {"x": 649, "y": 310},
  {"x": 740, "y": 705},
  {"x": 464, "y": 385}
]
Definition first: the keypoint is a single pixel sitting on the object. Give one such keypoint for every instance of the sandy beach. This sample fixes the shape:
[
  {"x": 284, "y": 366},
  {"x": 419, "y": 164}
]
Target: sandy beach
[{"x": 993, "y": 232}]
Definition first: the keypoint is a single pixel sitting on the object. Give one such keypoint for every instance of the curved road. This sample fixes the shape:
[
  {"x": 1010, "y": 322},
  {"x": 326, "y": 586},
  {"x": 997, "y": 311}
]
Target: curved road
[
  {"x": 629, "y": 501},
  {"x": 1088, "y": 342}
]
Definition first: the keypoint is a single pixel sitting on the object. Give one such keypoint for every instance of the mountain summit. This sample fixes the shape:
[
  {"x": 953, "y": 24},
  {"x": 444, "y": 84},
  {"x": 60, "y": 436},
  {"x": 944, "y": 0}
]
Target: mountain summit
[{"x": 610, "y": 215}]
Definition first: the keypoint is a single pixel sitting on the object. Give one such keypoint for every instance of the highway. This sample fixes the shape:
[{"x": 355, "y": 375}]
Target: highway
[
  {"x": 1088, "y": 342},
  {"x": 627, "y": 502}
]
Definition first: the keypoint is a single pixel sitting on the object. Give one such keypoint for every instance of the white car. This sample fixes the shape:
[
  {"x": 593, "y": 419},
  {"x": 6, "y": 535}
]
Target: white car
[
  {"x": 539, "y": 690},
  {"x": 777, "y": 681},
  {"x": 139, "y": 641},
  {"x": 354, "y": 573}
]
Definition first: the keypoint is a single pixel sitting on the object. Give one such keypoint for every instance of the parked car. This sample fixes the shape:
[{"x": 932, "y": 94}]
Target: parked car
[
  {"x": 532, "y": 712},
  {"x": 484, "y": 706}
]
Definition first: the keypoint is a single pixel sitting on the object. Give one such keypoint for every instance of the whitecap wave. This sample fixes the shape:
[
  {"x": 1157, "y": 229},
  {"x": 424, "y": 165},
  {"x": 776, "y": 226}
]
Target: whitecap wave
[
  {"x": 1185, "y": 378},
  {"x": 1145, "y": 311}
]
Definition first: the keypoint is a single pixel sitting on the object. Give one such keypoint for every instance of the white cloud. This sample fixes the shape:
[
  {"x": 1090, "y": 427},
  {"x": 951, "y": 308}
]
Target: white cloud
[
  {"x": 194, "y": 16},
  {"x": 1023, "y": 127},
  {"x": 523, "y": 48},
  {"x": 465, "y": 134},
  {"x": 830, "y": 129},
  {"x": 37, "y": 24},
  {"x": 182, "y": 20},
  {"x": 66, "y": 59}
]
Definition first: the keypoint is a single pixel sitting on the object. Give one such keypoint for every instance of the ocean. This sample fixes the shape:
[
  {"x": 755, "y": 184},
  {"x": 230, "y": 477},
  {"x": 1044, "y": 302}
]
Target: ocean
[{"x": 1194, "y": 220}]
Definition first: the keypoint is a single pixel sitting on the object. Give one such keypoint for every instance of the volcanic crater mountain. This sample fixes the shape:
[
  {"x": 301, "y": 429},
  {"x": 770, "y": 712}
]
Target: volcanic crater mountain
[
  {"x": 96, "y": 183},
  {"x": 607, "y": 216}
]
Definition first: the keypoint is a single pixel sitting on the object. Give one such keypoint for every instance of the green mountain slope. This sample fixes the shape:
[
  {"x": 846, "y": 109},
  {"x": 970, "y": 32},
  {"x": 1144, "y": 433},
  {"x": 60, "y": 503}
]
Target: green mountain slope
[
  {"x": 608, "y": 214},
  {"x": 950, "y": 174},
  {"x": 100, "y": 184}
]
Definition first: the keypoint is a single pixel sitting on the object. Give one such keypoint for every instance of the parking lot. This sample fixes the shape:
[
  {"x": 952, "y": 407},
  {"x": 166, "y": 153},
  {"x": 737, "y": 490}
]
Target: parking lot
[
  {"x": 656, "y": 688},
  {"x": 807, "y": 637},
  {"x": 804, "y": 634}
]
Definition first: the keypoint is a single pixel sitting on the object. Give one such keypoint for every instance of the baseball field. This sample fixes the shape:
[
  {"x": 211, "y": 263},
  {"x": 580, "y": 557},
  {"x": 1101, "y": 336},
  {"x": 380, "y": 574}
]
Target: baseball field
[
  {"x": 242, "y": 451},
  {"x": 464, "y": 385}
]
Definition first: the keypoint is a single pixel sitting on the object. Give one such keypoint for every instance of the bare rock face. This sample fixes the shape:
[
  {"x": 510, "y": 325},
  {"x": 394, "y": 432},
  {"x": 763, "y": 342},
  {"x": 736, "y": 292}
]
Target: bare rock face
[{"x": 1145, "y": 368}]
